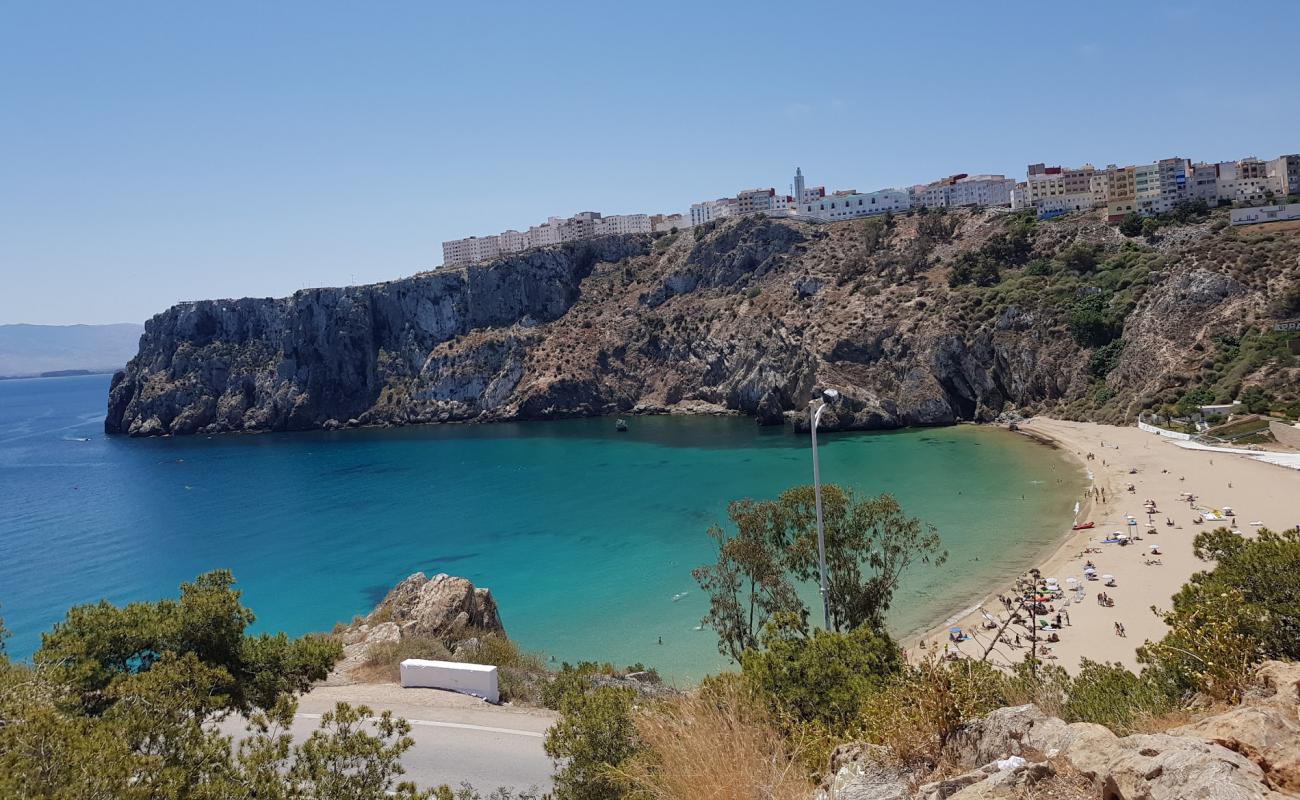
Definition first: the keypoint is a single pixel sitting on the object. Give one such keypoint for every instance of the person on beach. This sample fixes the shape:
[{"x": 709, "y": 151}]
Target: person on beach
[{"x": 1067, "y": 616}]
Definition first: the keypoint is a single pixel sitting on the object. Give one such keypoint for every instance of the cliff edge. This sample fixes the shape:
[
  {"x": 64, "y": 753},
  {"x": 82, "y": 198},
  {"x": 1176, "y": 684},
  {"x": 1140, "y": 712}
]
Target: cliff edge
[{"x": 927, "y": 319}]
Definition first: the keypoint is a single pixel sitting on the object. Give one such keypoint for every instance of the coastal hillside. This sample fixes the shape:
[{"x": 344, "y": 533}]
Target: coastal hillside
[{"x": 920, "y": 319}]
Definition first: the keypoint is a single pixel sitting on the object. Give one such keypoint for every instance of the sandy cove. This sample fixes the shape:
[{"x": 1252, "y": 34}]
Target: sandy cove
[{"x": 1255, "y": 491}]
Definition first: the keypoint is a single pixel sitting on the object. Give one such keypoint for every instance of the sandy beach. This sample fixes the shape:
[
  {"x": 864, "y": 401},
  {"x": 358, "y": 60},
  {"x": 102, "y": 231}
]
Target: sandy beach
[{"x": 1161, "y": 471}]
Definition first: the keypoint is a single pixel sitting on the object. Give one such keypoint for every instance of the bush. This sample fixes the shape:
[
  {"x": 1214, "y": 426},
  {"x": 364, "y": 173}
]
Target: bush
[
  {"x": 921, "y": 707},
  {"x": 1105, "y": 358},
  {"x": 1111, "y": 695},
  {"x": 592, "y": 740},
  {"x": 1131, "y": 225},
  {"x": 823, "y": 677}
]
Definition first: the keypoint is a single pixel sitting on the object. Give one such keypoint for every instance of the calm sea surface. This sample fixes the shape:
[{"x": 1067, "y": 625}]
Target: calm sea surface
[{"x": 586, "y": 536}]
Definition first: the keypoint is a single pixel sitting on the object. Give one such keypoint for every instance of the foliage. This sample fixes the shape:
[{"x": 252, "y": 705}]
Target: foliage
[
  {"x": 1131, "y": 225},
  {"x": 1256, "y": 400},
  {"x": 937, "y": 225},
  {"x": 593, "y": 738},
  {"x": 869, "y": 544},
  {"x": 154, "y": 742},
  {"x": 920, "y": 709},
  {"x": 1111, "y": 695},
  {"x": 1266, "y": 571},
  {"x": 1080, "y": 258},
  {"x": 98, "y": 644},
  {"x": 1105, "y": 358},
  {"x": 820, "y": 677},
  {"x": 982, "y": 266},
  {"x": 748, "y": 583},
  {"x": 1092, "y": 320},
  {"x": 719, "y": 742}
]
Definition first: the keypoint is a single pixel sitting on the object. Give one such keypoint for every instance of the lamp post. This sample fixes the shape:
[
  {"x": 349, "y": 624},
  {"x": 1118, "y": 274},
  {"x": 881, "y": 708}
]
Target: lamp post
[{"x": 815, "y": 408}]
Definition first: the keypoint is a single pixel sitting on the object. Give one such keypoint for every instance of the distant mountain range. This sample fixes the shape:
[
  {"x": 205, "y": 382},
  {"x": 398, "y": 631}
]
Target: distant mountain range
[{"x": 27, "y": 350}]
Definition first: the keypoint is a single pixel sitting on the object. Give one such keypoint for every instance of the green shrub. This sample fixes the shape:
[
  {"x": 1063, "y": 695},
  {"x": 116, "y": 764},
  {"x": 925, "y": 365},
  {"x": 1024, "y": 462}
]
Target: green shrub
[
  {"x": 591, "y": 740},
  {"x": 819, "y": 677}
]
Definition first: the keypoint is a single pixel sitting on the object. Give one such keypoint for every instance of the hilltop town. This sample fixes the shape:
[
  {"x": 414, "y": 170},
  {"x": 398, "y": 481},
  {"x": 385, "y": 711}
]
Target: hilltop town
[{"x": 1139, "y": 190}]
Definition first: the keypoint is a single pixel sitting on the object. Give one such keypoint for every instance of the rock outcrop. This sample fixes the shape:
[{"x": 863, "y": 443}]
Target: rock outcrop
[
  {"x": 445, "y": 608},
  {"x": 1248, "y": 753},
  {"x": 749, "y": 316}
]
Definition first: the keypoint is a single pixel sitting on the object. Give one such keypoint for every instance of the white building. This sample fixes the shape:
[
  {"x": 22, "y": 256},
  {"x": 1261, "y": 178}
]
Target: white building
[
  {"x": 512, "y": 241},
  {"x": 850, "y": 204},
  {"x": 1284, "y": 176},
  {"x": 710, "y": 210},
  {"x": 460, "y": 252},
  {"x": 1244, "y": 181},
  {"x": 966, "y": 190},
  {"x": 623, "y": 223},
  {"x": 664, "y": 223}
]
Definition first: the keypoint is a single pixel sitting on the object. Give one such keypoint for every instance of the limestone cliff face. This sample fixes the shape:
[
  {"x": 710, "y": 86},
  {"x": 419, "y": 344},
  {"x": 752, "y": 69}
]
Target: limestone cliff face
[{"x": 750, "y": 316}]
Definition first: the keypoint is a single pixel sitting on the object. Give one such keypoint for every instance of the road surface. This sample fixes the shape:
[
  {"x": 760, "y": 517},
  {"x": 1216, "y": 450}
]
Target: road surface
[{"x": 457, "y": 738}]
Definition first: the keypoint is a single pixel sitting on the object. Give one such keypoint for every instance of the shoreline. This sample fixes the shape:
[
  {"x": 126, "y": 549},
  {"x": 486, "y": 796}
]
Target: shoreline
[
  {"x": 1158, "y": 470},
  {"x": 1046, "y": 553}
]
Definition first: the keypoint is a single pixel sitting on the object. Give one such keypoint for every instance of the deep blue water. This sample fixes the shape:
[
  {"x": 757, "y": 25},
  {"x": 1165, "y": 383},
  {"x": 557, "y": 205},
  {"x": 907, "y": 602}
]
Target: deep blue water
[{"x": 585, "y": 535}]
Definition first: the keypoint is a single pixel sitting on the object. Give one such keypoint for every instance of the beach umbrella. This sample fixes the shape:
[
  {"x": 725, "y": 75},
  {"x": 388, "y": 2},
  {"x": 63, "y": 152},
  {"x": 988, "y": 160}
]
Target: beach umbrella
[
  {"x": 954, "y": 630},
  {"x": 1108, "y": 577},
  {"x": 1154, "y": 547}
]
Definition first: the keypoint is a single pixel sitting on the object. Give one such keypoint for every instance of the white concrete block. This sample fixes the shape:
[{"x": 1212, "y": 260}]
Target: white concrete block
[{"x": 479, "y": 680}]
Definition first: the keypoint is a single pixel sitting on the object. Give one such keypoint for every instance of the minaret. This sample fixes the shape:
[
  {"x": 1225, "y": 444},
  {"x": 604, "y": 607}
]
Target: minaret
[{"x": 798, "y": 185}]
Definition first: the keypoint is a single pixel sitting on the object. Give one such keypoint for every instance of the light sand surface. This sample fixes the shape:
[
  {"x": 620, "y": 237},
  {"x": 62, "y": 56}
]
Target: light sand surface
[{"x": 1256, "y": 492}]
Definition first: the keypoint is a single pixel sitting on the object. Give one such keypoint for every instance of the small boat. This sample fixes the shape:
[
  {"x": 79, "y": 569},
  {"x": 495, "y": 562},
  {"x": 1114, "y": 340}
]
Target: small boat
[
  {"x": 620, "y": 425},
  {"x": 1083, "y": 526}
]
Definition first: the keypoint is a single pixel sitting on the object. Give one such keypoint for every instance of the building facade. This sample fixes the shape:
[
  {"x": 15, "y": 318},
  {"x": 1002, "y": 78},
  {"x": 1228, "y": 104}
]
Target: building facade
[
  {"x": 966, "y": 190},
  {"x": 849, "y": 204}
]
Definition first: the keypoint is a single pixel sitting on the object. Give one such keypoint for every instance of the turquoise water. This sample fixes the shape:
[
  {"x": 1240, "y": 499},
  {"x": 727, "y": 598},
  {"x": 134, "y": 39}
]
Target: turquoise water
[{"x": 585, "y": 535}]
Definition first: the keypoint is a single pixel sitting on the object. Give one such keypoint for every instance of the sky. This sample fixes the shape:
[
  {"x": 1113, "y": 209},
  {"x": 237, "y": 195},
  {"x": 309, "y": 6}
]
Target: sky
[{"x": 152, "y": 152}]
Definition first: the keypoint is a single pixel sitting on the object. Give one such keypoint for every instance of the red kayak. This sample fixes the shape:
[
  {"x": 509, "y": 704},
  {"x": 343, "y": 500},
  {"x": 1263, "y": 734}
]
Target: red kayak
[{"x": 1083, "y": 526}]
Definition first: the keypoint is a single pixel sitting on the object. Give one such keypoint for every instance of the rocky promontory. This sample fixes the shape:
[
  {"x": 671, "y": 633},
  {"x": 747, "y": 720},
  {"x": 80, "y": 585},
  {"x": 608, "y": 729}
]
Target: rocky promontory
[{"x": 925, "y": 319}]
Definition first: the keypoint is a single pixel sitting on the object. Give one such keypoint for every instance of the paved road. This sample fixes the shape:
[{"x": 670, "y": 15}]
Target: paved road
[{"x": 457, "y": 739}]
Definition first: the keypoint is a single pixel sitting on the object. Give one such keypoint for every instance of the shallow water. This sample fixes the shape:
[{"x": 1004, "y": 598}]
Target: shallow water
[{"x": 586, "y": 536}]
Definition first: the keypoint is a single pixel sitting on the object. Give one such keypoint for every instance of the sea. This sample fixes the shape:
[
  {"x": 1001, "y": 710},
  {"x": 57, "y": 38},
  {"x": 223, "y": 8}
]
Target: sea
[{"x": 586, "y": 535}]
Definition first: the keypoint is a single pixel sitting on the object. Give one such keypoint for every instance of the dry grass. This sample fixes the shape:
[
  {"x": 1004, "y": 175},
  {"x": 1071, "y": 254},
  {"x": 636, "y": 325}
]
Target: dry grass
[
  {"x": 715, "y": 745},
  {"x": 383, "y": 660}
]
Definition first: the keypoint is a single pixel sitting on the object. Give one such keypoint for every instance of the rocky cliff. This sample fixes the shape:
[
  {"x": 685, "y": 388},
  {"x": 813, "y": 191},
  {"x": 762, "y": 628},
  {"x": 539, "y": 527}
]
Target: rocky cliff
[{"x": 748, "y": 316}]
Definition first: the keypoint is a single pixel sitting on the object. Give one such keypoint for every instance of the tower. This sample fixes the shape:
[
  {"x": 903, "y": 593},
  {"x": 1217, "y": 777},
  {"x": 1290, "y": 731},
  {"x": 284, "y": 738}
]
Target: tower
[{"x": 798, "y": 185}]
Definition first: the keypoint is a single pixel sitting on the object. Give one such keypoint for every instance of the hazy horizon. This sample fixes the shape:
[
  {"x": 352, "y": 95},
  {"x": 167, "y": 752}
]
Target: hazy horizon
[{"x": 161, "y": 153}]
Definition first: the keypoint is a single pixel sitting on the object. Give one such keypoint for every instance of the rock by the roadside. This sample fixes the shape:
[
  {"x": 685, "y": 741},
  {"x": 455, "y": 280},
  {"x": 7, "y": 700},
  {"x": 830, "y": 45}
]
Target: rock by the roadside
[
  {"x": 865, "y": 772},
  {"x": 440, "y": 607}
]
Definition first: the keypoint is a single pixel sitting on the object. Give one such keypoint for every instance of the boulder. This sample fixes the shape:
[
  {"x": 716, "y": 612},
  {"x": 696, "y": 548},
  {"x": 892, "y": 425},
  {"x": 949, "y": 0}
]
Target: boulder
[
  {"x": 441, "y": 607},
  {"x": 865, "y": 772}
]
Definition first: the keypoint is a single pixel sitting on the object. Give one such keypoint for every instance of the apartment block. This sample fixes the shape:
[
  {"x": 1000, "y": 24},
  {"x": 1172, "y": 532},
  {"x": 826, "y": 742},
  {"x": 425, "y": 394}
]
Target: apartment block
[
  {"x": 850, "y": 203},
  {"x": 1284, "y": 175},
  {"x": 710, "y": 210},
  {"x": 966, "y": 190}
]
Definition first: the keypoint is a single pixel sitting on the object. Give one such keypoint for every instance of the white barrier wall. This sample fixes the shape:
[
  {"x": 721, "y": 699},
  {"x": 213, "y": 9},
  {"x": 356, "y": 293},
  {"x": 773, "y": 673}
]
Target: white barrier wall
[
  {"x": 479, "y": 680},
  {"x": 1161, "y": 431}
]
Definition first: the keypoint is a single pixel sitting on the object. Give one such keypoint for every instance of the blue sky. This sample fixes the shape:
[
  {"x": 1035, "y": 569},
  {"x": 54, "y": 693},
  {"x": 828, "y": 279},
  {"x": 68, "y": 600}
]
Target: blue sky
[{"x": 151, "y": 152}]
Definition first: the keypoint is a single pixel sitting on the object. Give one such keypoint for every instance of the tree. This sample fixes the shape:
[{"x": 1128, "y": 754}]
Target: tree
[
  {"x": 96, "y": 644},
  {"x": 869, "y": 544},
  {"x": 120, "y": 705},
  {"x": 748, "y": 583}
]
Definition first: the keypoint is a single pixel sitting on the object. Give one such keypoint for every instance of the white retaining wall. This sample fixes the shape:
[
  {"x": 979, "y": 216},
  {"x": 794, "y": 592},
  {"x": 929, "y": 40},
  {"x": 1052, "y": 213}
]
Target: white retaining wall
[
  {"x": 1162, "y": 432},
  {"x": 479, "y": 680}
]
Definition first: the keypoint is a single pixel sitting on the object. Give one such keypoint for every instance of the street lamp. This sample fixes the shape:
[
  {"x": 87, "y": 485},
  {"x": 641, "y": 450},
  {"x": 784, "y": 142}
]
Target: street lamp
[{"x": 815, "y": 408}]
